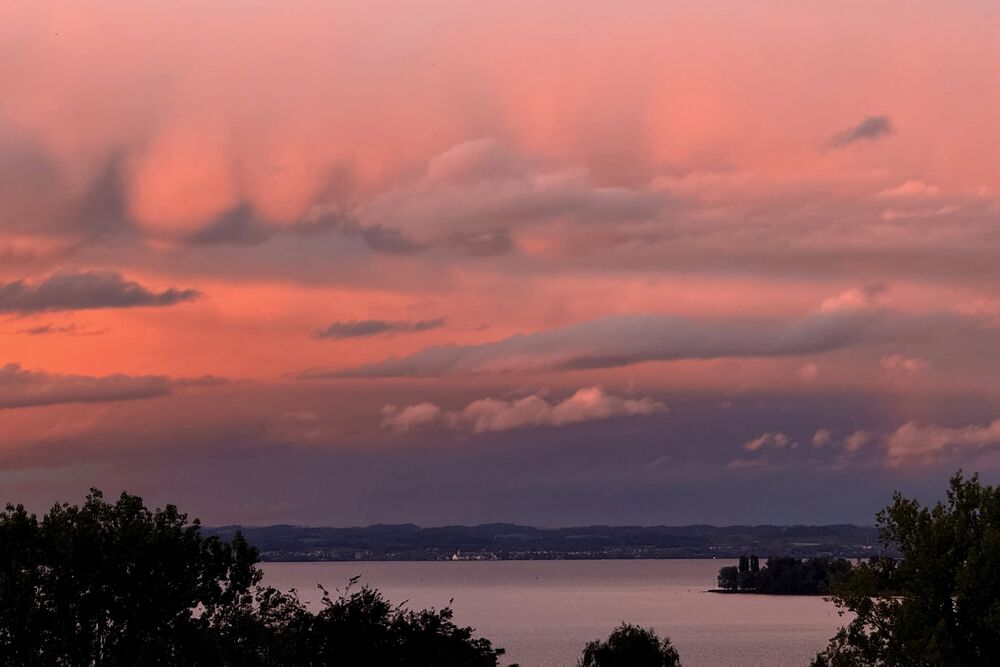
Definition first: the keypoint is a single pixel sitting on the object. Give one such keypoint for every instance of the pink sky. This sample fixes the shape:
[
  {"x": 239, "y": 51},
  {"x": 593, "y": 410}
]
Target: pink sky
[{"x": 372, "y": 230}]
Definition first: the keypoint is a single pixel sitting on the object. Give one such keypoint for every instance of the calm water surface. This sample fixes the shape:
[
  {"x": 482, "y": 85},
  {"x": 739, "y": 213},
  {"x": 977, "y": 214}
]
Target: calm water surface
[{"x": 543, "y": 612}]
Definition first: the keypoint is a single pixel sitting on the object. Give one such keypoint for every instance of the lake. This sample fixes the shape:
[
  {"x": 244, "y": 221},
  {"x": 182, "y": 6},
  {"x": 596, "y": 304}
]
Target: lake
[{"x": 543, "y": 612}]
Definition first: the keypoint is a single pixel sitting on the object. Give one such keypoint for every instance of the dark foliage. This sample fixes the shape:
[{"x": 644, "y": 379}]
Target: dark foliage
[
  {"x": 784, "y": 576},
  {"x": 939, "y": 604},
  {"x": 119, "y": 584},
  {"x": 630, "y": 646}
]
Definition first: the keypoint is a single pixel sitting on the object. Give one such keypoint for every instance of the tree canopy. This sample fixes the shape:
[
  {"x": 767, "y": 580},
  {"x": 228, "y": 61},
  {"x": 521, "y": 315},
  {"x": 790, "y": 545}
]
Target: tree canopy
[
  {"x": 939, "y": 603},
  {"x": 783, "y": 575},
  {"x": 120, "y": 584},
  {"x": 630, "y": 646}
]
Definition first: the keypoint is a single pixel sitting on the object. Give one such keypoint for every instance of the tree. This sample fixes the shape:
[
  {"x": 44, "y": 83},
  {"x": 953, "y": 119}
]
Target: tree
[
  {"x": 114, "y": 584},
  {"x": 630, "y": 646},
  {"x": 784, "y": 575},
  {"x": 729, "y": 578},
  {"x": 363, "y": 628},
  {"x": 119, "y": 584},
  {"x": 939, "y": 603}
]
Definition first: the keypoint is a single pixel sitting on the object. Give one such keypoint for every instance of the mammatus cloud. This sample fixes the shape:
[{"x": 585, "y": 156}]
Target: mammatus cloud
[
  {"x": 870, "y": 129},
  {"x": 83, "y": 291},
  {"x": 362, "y": 328},
  {"x": 913, "y": 443},
  {"x": 493, "y": 414},
  {"x": 630, "y": 339},
  {"x": 471, "y": 195}
]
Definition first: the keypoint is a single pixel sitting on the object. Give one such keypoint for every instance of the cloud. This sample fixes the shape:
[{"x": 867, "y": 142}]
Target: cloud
[
  {"x": 853, "y": 299},
  {"x": 51, "y": 329},
  {"x": 869, "y": 129},
  {"x": 769, "y": 441},
  {"x": 199, "y": 382},
  {"x": 239, "y": 225},
  {"x": 587, "y": 404},
  {"x": 855, "y": 441},
  {"x": 808, "y": 372},
  {"x": 402, "y": 420},
  {"x": 390, "y": 241},
  {"x": 483, "y": 244},
  {"x": 822, "y": 437},
  {"x": 913, "y": 443},
  {"x": 912, "y": 188},
  {"x": 82, "y": 291},
  {"x": 630, "y": 339},
  {"x": 472, "y": 195},
  {"x": 362, "y": 328},
  {"x": 493, "y": 414},
  {"x": 898, "y": 362},
  {"x": 20, "y": 388},
  {"x": 762, "y": 462}
]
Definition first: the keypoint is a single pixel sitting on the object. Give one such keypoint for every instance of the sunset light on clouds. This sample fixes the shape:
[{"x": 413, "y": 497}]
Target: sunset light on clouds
[{"x": 551, "y": 263}]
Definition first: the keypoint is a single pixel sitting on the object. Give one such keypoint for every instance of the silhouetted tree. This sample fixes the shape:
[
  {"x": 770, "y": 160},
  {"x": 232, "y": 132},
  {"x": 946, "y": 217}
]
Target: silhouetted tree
[
  {"x": 784, "y": 576},
  {"x": 114, "y": 584},
  {"x": 939, "y": 604},
  {"x": 630, "y": 646},
  {"x": 363, "y": 628},
  {"x": 729, "y": 578},
  {"x": 119, "y": 584}
]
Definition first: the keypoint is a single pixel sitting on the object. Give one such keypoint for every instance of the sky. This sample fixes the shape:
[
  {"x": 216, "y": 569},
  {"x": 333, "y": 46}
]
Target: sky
[{"x": 562, "y": 263}]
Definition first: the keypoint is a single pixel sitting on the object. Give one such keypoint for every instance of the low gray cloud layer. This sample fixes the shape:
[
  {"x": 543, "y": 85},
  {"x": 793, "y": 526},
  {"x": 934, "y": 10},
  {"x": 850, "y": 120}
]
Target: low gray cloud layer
[
  {"x": 362, "y": 328},
  {"x": 83, "y": 291}
]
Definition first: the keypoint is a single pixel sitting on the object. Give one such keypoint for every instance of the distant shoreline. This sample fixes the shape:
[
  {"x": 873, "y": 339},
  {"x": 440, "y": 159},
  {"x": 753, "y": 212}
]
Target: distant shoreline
[
  {"x": 408, "y": 542},
  {"x": 508, "y": 560}
]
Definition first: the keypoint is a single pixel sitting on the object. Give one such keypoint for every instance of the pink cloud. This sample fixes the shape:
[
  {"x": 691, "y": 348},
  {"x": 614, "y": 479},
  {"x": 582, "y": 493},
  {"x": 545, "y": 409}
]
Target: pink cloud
[
  {"x": 409, "y": 417},
  {"x": 822, "y": 437},
  {"x": 493, "y": 414},
  {"x": 768, "y": 441},
  {"x": 918, "y": 444},
  {"x": 899, "y": 362}
]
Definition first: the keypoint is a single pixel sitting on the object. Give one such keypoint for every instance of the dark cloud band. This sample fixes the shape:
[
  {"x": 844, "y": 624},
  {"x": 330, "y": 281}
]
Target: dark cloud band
[
  {"x": 84, "y": 291},
  {"x": 631, "y": 339},
  {"x": 362, "y": 328},
  {"x": 870, "y": 129},
  {"x": 22, "y": 388}
]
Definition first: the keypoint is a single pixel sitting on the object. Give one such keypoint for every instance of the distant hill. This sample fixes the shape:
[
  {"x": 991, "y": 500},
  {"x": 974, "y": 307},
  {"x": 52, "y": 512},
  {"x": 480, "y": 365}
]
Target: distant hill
[{"x": 502, "y": 541}]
